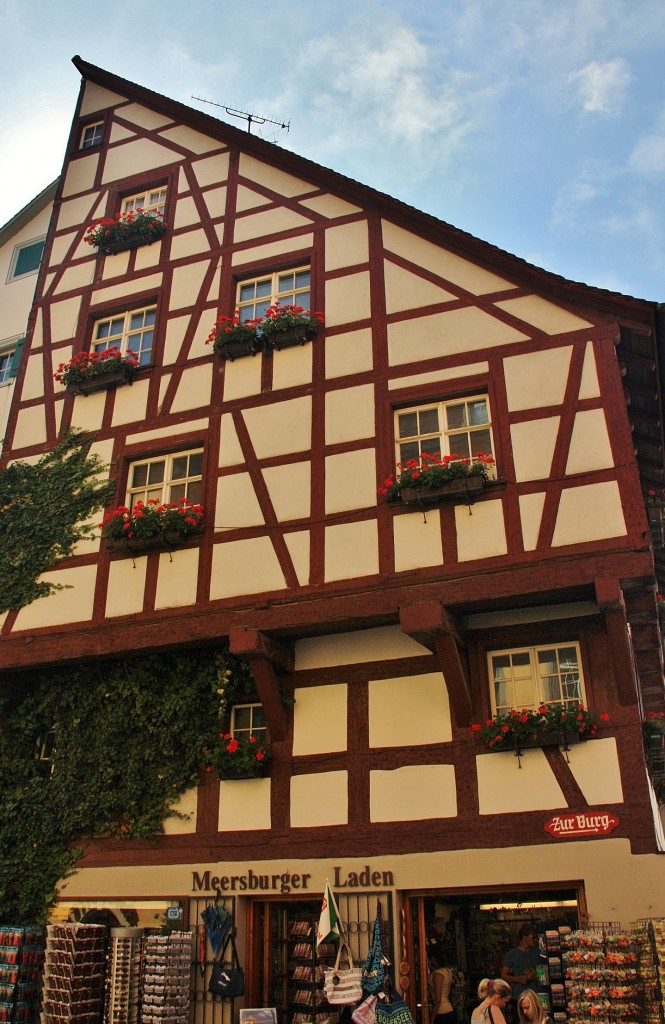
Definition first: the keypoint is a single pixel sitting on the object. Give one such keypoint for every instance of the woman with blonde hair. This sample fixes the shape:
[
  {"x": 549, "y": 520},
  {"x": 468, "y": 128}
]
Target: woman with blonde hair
[
  {"x": 531, "y": 1010},
  {"x": 495, "y": 995}
]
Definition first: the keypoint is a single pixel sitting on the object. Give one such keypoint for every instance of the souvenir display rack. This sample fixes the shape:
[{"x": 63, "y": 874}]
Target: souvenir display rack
[
  {"x": 602, "y": 982},
  {"x": 74, "y": 973},
  {"x": 306, "y": 963},
  {"x": 649, "y": 940},
  {"x": 123, "y": 978},
  {"x": 21, "y": 961},
  {"x": 167, "y": 970}
]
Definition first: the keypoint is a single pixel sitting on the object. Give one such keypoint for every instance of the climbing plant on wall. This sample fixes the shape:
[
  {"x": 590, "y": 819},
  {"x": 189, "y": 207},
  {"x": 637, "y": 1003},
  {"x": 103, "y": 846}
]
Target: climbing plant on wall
[
  {"x": 45, "y": 508},
  {"x": 129, "y": 737}
]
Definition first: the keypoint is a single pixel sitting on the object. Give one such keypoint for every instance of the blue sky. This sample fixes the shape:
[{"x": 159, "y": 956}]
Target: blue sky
[{"x": 537, "y": 125}]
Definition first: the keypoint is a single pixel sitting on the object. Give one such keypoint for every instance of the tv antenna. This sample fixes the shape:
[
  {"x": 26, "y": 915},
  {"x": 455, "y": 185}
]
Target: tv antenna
[{"x": 244, "y": 116}]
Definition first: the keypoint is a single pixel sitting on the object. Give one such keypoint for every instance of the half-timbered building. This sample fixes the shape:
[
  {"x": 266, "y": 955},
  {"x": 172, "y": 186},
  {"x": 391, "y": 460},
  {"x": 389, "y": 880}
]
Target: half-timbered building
[{"x": 395, "y": 624}]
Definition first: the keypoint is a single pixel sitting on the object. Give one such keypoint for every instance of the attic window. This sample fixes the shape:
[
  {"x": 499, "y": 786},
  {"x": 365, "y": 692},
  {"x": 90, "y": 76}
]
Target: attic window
[
  {"x": 26, "y": 259},
  {"x": 92, "y": 135},
  {"x": 150, "y": 201}
]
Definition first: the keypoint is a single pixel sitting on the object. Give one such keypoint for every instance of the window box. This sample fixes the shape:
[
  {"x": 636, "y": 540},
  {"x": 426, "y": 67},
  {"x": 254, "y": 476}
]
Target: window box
[
  {"x": 116, "y": 379},
  {"x": 230, "y": 774},
  {"x": 289, "y": 337},
  {"x": 166, "y": 541},
  {"x": 241, "y": 756},
  {"x": 130, "y": 242},
  {"x": 125, "y": 231},
  {"x": 550, "y": 738},
  {"x": 465, "y": 488},
  {"x": 236, "y": 348}
]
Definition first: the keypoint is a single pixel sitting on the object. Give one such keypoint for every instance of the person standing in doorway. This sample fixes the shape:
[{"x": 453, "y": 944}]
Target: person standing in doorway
[
  {"x": 519, "y": 964},
  {"x": 442, "y": 981}
]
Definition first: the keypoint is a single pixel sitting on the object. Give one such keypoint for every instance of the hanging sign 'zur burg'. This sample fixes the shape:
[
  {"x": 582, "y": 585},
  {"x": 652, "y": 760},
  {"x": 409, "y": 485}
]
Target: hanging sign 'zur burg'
[{"x": 578, "y": 826}]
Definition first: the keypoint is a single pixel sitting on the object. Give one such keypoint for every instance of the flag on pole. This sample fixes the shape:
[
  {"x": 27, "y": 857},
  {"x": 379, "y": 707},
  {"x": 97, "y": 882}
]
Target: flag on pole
[{"x": 330, "y": 925}]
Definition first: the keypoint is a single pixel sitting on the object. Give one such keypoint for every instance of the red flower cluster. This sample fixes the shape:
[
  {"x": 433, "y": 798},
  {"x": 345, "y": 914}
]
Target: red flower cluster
[
  {"x": 152, "y": 520},
  {"x": 278, "y": 318},
  {"x": 233, "y": 745},
  {"x": 147, "y": 224},
  {"x": 94, "y": 364},
  {"x": 433, "y": 470},
  {"x": 506, "y": 730}
]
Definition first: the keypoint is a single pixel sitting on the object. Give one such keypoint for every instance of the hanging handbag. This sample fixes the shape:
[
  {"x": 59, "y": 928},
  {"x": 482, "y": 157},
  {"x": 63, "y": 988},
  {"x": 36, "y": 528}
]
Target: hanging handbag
[
  {"x": 342, "y": 985},
  {"x": 396, "y": 1012},
  {"x": 374, "y": 970},
  {"x": 366, "y": 1012},
  {"x": 227, "y": 982}
]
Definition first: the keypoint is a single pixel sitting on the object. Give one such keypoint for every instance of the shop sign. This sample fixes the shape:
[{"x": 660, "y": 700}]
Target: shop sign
[
  {"x": 577, "y": 826},
  {"x": 289, "y": 881}
]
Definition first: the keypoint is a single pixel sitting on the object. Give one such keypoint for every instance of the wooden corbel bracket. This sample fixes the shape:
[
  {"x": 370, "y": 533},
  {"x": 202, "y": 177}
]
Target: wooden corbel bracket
[
  {"x": 610, "y": 601},
  {"x": 433, "y": 627},
  {"x": 265, "y": 656}
]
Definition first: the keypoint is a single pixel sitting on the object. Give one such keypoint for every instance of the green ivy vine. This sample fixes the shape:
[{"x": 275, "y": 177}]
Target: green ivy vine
[
  {"x": 129, "y": 740},
  {"x": 45, "y": 508}
]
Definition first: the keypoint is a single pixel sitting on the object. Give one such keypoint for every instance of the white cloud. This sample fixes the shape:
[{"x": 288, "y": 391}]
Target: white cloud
[
  {"x": 648, "y": 156},
  {"x": 602, "y": 88}
]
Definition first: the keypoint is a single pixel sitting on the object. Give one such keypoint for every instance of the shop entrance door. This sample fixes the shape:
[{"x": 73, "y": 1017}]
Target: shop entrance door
[{"x": 470, "y": 932}]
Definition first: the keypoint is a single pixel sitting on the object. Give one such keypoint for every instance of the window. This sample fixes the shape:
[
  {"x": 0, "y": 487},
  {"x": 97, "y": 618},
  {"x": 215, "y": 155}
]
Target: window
[
  {"x": 152, "y": 200},
  {"x": 248, "y": 720},
  {"x": 92, "y": 135},
  {"x": 529, "y": 676},
  {"x": 461, "y": 427},
  {"x": 26, "y": 259},
  {"x": 289, "y": 287},
  {"x": 6, "y": 359},
  {"x": 45, "y": 749},
  {"x": 166, "y": 478},
  {"x": 132, "y": 331}
]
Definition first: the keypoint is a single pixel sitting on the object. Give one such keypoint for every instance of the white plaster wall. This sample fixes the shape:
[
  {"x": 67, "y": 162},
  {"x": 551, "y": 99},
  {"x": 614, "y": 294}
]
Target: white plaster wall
[
  {"x": 413, "y": 793},
  {"x": 80, "y": 176},
  {"x": 504, "y": 787},
  {"x": 351, "y": 550},
  {"x": 244, "y": 805},
  {"x": 533, "y": 448},
  {"x": 289, "y": 488},
  {"x": 211, "y": 169},
  {"x": 350, "y": 480},
  {"x": 590, "y": 443},
  {"x": 347, "y": 299},
  {"x": 245, "y": 567},
  {"x": 543, "y": 314},
  {"x": 126, "y": 586},
  {"x": 330, "y": 206},
  {"x": 589, "y": 386},
  {"x": 347, "y": 245},
  {"x": 406, "y": 290},
  {"x": 446, "y": 334},
  {"x": 270, "y": 250},
  {"x": 449, "y": 267},
  {"x": 190, "y": 243},
  {"x": 73, "y": 604},
  {"x": 282, "y": 428},
  {"x": 237, "y": 504},
  {"x": 592, "y": 512},
  {"x": 135, "y": 157},
  {"x": 278, "y": 181},
  {"x": 319, "y": 799},
  {"x": 537, "y": 379},
  {"x": 97, "y": 98},
  {"x": 595, "y": 767},
  {"x": 531, "y": 514},
  {"x": 481, "y": 534},
  {"x": 349, "y": 414},
  {"x": 30, "y": 427},
  {"x": 272, "y": 222},
  {"x": 348, "y": 353},
  {"x": 131, "y": 403},
  {"x": 242, "y": 377},
  {"x": 177, "y": 578},
  {"x": 186, "y": 806},
  {"x": 194, "y": 389},
  {"x": 319, "y": 719},
  {"x": 298, "y": 547},
  {"x": 385, "y": 643},
  {"x": 292, "y": 367},
  {"x": 195, "y": 142},
  {"x": 407, "y": 711},
  {"x": 417, "y": 540}
]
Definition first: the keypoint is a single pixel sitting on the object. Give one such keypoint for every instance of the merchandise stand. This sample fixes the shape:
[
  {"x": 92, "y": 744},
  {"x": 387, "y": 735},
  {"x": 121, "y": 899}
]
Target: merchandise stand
[
  {"x": 307, "y": 1000},
  {"x": 21, "y": 961},
  {"x": 167, "y": 969},
  {"x": 74, "y": 973},
  {"x": 602, "y": 982},
  {"x": 123, "y": 978}
]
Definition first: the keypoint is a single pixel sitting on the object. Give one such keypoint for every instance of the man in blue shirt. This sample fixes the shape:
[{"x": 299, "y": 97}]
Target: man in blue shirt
[{"x": 519, "y": 964}]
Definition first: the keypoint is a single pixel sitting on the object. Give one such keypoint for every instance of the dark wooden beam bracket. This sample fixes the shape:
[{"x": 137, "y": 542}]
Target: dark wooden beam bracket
[
  {"x": 432, "y": 626},
  {"x": 265, "y": 656}
]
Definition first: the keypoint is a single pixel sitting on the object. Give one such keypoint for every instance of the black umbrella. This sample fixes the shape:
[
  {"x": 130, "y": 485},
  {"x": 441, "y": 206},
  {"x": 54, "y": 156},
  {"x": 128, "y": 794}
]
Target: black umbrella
[{"x": 217, "y": 923}]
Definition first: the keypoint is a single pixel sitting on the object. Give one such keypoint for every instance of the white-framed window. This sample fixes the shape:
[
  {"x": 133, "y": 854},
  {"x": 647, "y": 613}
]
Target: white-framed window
[
  {"x": 5, "y": 364},
  {"x": 152, "y": 200},
  {"x": 45, "y": 748},
  {"x": 248, "y": 720},
  {"x": 288, "y": 287},
  {"x": 460, "y": 426},
  {"x": 26, "y": 259},
  {"x": 166, "y": 478},
  {"x": 526, "y": 677},
  {"x": 10, "y": 358},
  {"x": 91, "y": 135},
  {"x": 133, "y": 331}
]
